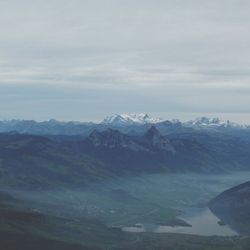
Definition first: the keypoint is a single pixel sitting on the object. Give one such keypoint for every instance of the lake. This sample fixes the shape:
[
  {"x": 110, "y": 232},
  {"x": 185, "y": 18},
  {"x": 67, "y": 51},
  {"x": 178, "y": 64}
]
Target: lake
[{"x": 203, "y": 222}]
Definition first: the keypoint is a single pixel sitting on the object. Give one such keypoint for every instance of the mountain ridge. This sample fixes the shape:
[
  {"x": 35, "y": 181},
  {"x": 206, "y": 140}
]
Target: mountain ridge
[
  {"x": 42, "y": 162},
  {"x": 138, "y": 123}
]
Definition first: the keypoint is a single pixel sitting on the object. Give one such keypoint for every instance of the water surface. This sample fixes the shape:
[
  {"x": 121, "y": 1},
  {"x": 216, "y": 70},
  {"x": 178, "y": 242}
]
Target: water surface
[{"x": 203, "y": 222}]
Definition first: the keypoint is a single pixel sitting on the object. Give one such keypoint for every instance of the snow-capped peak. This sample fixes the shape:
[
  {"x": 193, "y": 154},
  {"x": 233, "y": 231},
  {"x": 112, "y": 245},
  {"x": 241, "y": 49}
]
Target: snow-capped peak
[
  {"x": 130, "y": 119},
  {"x": 205, "y": 122}
]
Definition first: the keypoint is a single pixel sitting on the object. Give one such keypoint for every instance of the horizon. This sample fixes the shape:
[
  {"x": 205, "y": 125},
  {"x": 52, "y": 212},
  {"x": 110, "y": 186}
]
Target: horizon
[{"x": 236, "y": 118}]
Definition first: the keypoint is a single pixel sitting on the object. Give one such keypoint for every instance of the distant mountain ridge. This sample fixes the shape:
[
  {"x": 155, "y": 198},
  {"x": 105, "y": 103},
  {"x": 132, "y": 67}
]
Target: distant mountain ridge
[
  {"x": 205, "y": 122},
  {"x": 43, "y": 162},
  {"x": 138, "y": 123}
]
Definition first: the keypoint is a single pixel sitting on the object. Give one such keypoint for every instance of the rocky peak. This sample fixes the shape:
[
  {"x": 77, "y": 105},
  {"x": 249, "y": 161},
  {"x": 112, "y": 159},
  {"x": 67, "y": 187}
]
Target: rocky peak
[
  {"x": 112, "y": 138},
  {"x": 154, "y": 139},
  {"x": 152, "y": 133}
]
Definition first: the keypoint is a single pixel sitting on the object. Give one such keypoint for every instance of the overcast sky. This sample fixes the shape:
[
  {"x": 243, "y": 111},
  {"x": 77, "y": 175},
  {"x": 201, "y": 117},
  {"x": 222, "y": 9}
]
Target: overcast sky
[{"x": 81, "y": 60}]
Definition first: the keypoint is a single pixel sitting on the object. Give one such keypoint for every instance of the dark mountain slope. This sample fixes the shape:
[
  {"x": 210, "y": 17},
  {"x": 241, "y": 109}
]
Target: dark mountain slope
[
  {"x": 23, "y": 228},
  {"x": 34, "y": 161},
  {"x": 233, "y": 207}
]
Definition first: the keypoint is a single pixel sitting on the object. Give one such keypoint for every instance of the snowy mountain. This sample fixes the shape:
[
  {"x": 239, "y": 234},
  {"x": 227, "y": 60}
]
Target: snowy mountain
[
  {"x": 138, "y": 123},
  {"x": 205, "y": 122},
  {"x": 130, "y": 119},
  {"x": 124, "y": 120}
]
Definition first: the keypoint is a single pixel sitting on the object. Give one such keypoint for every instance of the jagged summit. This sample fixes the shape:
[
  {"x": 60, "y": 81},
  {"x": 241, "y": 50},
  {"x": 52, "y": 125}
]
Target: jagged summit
[
  {"x": 154, "y": 139},
  {"x": 112, "y": 138},
  {"x": 153, "y": 132},
  {"x": 129, "y": 119}
]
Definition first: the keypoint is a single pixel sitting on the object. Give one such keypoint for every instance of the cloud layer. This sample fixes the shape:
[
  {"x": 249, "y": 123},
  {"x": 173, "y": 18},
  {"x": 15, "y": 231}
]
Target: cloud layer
[{"x": 97, "y": 57}]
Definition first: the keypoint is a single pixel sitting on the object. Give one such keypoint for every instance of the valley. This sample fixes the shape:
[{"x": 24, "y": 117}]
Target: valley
[{"x": 163, "y": 200}]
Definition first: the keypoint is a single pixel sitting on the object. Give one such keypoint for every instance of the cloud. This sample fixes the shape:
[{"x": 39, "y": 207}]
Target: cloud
[{"x": 137, "y": 50}]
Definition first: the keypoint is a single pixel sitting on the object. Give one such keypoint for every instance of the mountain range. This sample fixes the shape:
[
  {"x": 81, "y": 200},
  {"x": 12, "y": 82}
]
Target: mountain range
[
  {"x": 129, "y": 123},
  {"x": 46, "y": 161}
]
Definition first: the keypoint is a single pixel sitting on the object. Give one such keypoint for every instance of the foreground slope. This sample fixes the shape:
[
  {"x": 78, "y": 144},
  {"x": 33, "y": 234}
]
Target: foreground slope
[
  {"x": 21, "y": 228},
  {"x": 233, "y": 207}
]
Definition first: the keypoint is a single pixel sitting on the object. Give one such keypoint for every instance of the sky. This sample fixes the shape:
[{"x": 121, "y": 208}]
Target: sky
[{"x": 86, "y": 59}]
